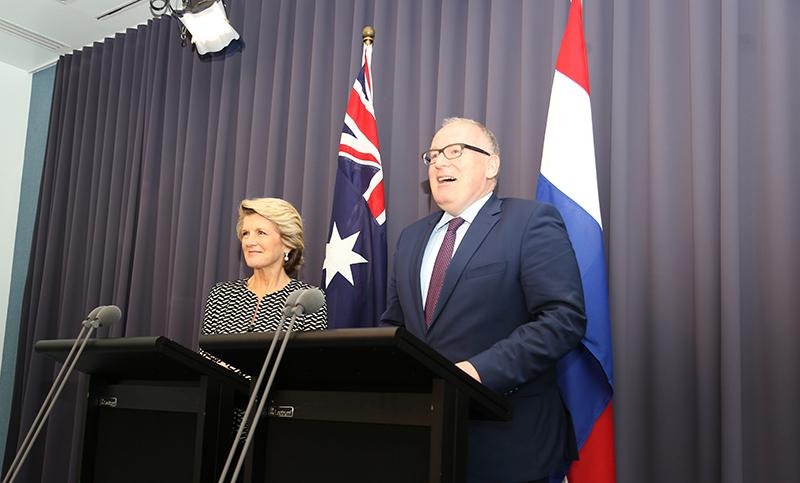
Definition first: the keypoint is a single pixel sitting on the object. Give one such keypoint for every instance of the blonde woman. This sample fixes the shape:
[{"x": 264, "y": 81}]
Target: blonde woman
[{"x": 271, "y": 234}]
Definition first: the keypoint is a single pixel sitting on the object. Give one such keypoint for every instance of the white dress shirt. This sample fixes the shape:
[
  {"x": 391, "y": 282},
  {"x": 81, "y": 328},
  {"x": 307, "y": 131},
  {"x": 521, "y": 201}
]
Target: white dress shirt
[{"x": 437, "y": 237}]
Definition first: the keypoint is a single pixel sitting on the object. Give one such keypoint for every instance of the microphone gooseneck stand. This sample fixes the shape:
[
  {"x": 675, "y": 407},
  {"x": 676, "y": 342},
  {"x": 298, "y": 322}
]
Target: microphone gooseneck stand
[
  {"x": 305, "y": 301},
  {"x": 102, "y": 316},
  {"x": 291, "y": 302}
]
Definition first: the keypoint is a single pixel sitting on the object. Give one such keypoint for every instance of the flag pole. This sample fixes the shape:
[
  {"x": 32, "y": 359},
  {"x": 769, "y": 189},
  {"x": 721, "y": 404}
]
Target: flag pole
[
  {"x": 354, "y": 270},
  {"x": 368, "y": 35}
]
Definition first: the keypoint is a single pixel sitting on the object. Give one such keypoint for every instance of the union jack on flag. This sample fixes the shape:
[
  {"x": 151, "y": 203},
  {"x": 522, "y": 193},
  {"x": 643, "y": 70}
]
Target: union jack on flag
[{"x": 354, "y": 271}]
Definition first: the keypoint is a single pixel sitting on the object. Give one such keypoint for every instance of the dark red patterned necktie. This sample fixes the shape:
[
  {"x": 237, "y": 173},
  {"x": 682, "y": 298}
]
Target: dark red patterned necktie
[{"x": 440, "y": 268}]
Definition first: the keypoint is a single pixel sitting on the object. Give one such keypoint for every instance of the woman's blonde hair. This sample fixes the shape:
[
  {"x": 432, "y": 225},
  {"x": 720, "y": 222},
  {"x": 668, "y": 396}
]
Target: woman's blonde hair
[{"x": 286, "y": 218}]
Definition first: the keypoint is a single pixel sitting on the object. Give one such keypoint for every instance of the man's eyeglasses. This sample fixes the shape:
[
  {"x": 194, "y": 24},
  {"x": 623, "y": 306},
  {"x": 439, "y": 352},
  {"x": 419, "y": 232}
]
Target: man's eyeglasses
[{"x": 451, "y": 151}]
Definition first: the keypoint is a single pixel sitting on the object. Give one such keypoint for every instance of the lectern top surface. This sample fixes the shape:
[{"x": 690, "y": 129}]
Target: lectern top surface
[{"x": 151, "y": 358}]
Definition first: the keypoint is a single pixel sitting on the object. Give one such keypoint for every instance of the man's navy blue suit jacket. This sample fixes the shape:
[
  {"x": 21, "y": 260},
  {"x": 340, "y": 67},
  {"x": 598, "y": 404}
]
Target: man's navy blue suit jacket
[{"x": 511, "y": 304}]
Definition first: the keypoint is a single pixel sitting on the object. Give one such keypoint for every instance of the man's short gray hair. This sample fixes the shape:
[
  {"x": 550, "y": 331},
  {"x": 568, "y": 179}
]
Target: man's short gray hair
[{"x": 494, "y": 147}]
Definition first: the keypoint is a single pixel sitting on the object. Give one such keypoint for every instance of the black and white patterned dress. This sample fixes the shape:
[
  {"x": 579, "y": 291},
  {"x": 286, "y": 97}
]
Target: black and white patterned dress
[{"x": 231, "y": 308}]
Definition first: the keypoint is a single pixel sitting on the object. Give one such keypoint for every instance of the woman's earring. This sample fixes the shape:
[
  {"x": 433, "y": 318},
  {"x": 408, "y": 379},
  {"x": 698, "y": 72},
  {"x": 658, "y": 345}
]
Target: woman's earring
[{"x": 285, "y": 256}]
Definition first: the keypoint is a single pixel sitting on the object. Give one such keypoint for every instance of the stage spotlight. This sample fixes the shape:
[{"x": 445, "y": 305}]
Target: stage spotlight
[{"x": 205, "y": 22}]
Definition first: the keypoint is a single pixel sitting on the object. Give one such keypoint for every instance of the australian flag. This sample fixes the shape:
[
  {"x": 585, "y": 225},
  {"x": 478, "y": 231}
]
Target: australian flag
[{"x": 354, "y": 271}]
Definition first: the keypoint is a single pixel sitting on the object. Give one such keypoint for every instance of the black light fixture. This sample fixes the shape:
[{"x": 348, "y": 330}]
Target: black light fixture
[{"x": 205, "y": 21}]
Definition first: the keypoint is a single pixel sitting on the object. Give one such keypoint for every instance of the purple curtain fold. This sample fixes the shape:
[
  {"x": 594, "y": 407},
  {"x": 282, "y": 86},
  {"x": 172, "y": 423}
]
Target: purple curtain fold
[{"x": 695, "y": 112}]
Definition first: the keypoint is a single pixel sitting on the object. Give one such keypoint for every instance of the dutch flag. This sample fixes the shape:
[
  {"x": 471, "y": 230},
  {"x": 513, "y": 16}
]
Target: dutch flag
[{"x": 568, "y": 180}]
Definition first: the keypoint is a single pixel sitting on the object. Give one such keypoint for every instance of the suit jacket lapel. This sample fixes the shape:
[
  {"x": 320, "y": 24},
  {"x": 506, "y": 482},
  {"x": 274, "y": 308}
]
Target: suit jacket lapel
[{"x": 486, "y": 218}]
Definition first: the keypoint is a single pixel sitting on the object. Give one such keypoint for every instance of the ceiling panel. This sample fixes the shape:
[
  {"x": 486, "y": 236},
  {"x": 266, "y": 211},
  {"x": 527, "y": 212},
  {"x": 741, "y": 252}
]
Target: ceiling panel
[{"x": 69, "y": 22}]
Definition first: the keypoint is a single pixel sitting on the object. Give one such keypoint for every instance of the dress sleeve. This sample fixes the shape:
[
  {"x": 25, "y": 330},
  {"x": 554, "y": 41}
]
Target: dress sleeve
[{"x": 211, "y": 310}]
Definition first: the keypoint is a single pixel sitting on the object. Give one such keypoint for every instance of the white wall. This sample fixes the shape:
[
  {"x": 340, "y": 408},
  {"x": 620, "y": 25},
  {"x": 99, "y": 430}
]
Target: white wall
[{"x": 15, "y": 94}]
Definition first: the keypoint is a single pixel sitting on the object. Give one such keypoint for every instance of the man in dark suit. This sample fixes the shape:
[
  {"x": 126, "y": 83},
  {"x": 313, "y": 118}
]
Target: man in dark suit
[{"x": 493, "y": 285}]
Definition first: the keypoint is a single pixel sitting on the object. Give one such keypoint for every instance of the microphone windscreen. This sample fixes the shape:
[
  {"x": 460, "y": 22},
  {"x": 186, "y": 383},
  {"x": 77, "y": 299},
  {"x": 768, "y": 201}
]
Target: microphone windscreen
[
  {"x": 92, "y": 317},
  {"x": 291, "y": 301},
  {"x": 108, "y": 316},
  {"x": 93, "y": 314},
  {"x": 310, "y": 301}
]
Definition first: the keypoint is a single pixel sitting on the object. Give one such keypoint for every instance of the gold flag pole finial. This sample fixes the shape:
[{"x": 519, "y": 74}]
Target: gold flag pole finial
[{"x": 368, "y": 35}]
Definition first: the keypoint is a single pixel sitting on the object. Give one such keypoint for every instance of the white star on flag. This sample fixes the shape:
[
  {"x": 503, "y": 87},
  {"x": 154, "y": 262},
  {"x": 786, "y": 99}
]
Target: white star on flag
[{"x": 339, "y": 256}]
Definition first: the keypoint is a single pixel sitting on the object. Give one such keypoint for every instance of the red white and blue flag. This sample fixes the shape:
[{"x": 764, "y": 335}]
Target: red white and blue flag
[
  {"x": 354, "y": 271},
  {"x": 568, "y": 180}
]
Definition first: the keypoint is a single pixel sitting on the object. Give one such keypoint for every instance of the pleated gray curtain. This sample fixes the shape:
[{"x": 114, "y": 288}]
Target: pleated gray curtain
[
  {"x": 695, "y": 115},
  {"x": 703, "y": 239}
]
